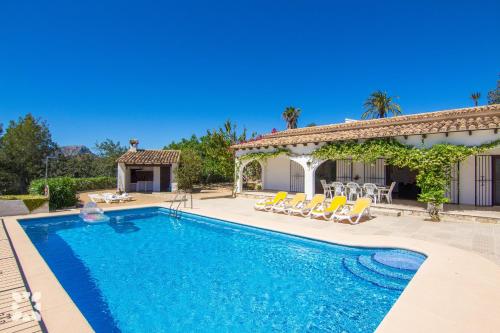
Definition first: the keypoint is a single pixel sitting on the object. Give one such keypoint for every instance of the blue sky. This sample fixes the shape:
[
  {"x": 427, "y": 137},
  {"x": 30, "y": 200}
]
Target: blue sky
[{"x": 162, "y": 70}]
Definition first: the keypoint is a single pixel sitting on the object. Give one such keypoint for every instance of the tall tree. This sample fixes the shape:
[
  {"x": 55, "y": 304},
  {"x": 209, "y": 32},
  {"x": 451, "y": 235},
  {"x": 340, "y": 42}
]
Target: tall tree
[
  {"x": 380, "y": 105},
  {"x": 108, "y": 151},
  {"x": 291, "y": 116},
  {"x": 494, "y": 95},
  {"x": 475, "y": 97},
  {"x": 213, "y": 149},
  {"x": 23, "y": 150}
]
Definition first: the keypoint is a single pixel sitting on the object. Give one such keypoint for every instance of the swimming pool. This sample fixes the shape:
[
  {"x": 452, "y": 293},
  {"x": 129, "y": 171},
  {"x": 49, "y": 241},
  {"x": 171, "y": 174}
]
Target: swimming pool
[{"x": 145, "y": 271}]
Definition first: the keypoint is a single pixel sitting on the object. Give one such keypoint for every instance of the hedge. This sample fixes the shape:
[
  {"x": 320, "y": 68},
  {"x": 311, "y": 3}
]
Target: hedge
[
  {"x": 63, "y": 190},
  {"x": 95, "y": 183},
  {"x": 32, "y": 202}
]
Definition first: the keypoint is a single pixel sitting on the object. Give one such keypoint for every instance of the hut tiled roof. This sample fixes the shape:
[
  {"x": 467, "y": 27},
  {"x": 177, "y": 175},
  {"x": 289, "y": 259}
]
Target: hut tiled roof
[{"x": 150, "y": 157}]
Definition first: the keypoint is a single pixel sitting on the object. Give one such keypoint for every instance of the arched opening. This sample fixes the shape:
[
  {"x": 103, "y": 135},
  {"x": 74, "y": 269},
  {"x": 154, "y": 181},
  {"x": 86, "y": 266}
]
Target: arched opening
[
  {"x": 252, "y": 176},
  {"x": 406, "y": 182},
  {"x": 327, "y": 171}
]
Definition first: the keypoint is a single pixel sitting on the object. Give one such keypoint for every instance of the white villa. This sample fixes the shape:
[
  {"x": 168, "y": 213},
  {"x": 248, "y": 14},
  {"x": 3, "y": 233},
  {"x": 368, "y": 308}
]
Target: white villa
[
  {"x": 476, "y": 181},
  {"x": 147, "y": 170}
]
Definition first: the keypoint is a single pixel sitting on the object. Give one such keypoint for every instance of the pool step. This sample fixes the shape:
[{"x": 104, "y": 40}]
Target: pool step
[
  {"x": 368, "y": 262},
  {"x": 356, "y": 268}
]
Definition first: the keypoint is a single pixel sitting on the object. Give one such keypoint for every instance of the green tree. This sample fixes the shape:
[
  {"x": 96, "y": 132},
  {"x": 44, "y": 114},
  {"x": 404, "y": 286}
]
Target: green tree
[
  {"x": 494, "y": 95},
  {"x": 214, "y": 150},
  {"x": 81, "y": 166},
  {"x": 291, "y": 116},
  {"x": 193, "y": 143},
  {"x": 380, "y": 105},
  {"x": 475, "y": 97},
  {"x": 108, "y": 152},
  {"x": 189, "y": 171},
  {"x": 23, "y": 149}
]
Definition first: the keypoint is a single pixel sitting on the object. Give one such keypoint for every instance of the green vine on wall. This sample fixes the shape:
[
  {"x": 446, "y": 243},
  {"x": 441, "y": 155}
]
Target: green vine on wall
[
  {"x": 262, "y": 156},
  {"x": 433, "y": 165}
]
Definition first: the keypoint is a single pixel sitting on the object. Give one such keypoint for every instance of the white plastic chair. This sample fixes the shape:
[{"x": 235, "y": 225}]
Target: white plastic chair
[
  {"x": 338, "y": 189},
  {"x": 386, "y": 193},
  {"x": 327, "y": 189},
  {"x": 353, "y": 189},
  {"x": 371, "y": 191}
]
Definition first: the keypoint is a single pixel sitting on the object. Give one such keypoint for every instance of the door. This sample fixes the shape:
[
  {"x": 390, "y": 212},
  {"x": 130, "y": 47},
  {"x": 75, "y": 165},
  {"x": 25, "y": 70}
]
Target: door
[
  {"x": 496, "y": 180},
  {"x": 165, "y": 178},
  {"x": 484, "y": 178},
  {"x": 296, "y": 177}
]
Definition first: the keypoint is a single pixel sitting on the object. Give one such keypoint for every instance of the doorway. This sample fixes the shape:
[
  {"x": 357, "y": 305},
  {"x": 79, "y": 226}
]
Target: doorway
[
  {"x": 496, "y": 180},
  {"x": 165, "y": 178},
  {"x": 406, "y": 182},
  {"x": 326, "y": 171}
]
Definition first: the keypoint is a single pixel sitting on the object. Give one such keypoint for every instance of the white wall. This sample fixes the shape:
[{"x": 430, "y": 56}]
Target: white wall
[
  {"x": 468, "y": 178},
  {"x": 122, "y": 178},
  {"x": 156, "y": 179},
  {"x": 456, "y": 138},
  {"x": 276, "y": 173}
]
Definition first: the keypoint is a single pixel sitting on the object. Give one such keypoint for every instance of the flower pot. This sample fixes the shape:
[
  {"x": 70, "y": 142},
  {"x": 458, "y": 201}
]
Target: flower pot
[{"x": 434, "y": 210}]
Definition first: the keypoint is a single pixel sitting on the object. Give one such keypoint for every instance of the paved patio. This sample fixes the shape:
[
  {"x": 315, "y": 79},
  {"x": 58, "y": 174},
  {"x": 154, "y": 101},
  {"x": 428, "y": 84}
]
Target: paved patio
[
  {"x": 482, "y": 238},
  {"x": 426, "y": 305},
  {"x": 452, "y": 212},
  {"x": 140, "y": 198},
  {"x": 12, "y": 282}
]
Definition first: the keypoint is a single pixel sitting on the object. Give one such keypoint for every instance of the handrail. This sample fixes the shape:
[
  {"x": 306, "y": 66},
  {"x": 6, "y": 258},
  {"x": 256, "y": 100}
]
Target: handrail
[{"x": 175, "y": 212}]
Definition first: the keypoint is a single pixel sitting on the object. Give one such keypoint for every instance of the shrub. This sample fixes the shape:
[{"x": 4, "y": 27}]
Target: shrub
[
  {"x": 32, "y": 202},
  {"x": 95, "y": 183},
  {"x": 189, "y": 171},
  {"x": 62, "y": 191}
]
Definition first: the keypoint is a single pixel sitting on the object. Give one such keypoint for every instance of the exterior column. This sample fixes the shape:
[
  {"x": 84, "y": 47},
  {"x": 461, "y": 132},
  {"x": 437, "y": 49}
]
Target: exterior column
[
  {"x": 309, "y": 164},
  {"x": 121, "y": 178},
  {"x": 239, "y": 176}
]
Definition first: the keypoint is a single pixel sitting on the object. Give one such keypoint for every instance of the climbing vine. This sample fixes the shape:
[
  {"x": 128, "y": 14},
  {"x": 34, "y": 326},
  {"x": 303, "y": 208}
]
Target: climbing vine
[
  {"x": 262, "y": 156},
  {"x": 433, "y": 165}
]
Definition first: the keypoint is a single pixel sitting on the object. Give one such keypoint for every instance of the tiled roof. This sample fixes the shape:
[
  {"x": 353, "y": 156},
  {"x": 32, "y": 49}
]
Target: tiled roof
[
  {"x": 467, "y": 119},
  {"x": 150, "y": 157}
]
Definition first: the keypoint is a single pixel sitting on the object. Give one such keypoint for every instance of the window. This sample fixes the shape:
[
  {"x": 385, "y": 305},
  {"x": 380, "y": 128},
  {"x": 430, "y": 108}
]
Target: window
[{"x": 138, "y": 175}]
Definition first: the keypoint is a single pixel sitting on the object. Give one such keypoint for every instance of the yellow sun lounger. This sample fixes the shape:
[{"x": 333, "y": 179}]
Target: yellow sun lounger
[
  {"x": 268, "y": 204},
  {"x": 296, "y": 202},
  {"x": 316, "y": 201},
  {"x": 335, "y": 206},
  {"x": 360, "y": 208}
]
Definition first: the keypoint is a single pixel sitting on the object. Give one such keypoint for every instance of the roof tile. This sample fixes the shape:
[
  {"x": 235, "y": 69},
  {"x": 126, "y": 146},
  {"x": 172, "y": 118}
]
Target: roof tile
[
  {"x": 424, "y": 123},
  {"x": 150, "y": 157}
]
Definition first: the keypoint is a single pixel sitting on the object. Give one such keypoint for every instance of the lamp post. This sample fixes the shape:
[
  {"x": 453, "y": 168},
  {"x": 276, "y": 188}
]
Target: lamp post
[{"x": 47, "y": 174}]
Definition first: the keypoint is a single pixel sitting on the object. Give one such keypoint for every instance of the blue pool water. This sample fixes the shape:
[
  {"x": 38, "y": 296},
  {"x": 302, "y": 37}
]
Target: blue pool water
[{"x": 144, "y": 271}]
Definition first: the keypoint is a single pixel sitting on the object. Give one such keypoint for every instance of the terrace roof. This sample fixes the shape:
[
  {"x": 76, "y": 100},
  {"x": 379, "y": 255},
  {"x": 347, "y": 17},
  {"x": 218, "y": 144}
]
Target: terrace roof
[{"x": 455, "y": 120}]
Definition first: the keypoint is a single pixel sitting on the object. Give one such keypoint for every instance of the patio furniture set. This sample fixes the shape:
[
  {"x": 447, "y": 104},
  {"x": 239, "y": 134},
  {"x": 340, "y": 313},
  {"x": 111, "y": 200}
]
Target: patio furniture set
[{"x": 353, "y": 190}]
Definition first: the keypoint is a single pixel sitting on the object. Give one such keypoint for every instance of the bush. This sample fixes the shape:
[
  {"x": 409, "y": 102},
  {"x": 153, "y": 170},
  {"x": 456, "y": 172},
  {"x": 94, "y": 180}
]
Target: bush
[
  {"x": 32, "y": 202},
  {"x": 62, "y": 191},
  {"x": 95, "y": 183},
  {"x": 189, "y": 171}
]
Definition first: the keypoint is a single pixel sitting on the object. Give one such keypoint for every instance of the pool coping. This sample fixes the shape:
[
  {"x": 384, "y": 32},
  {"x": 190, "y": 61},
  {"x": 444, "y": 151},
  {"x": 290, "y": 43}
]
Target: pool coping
[{"x": 468, "y": 299}]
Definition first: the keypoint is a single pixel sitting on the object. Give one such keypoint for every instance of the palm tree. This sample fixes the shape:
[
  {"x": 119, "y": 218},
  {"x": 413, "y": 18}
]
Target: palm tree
[
  {"x": 379, "y": 105},
  {"x": 291, "y": 116},
  {"x": 475, "y": 97}
]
